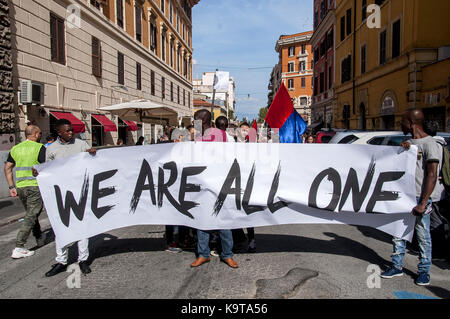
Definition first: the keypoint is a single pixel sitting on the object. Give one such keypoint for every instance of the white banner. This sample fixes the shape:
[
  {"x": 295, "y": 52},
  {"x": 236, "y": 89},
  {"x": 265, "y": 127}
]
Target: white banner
[
  {"x": 222, "y": 81},
  {"x": 230, "y": 185}
]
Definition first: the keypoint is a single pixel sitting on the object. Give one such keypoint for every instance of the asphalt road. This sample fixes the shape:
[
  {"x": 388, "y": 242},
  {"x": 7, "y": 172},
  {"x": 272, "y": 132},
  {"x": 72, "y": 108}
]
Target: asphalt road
[{"x": 292, "y": 261}]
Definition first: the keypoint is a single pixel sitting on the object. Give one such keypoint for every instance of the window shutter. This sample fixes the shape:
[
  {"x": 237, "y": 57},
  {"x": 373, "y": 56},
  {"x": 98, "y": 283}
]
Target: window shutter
[
  {"x": 61, "y": 42},
  {"x": 152, "y": 82},
  {"x": 138, "y": 76},
  {"x": 121, "y": 71},
  {"x": 163, "y": 88},
  {"x": 138, "y": 23},
  {"x": 53, "y": 38},
  {"x": 96, "y": 57},
  {"x": 119, "y": 6}
]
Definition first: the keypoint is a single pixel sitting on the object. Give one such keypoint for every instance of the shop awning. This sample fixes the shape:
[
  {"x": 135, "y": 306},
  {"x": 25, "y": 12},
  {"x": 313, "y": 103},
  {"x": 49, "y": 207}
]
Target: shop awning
[
  {"x": 78, "y": 126},
  {"x": 131, "y": 126},
  {"x": 108, "y": 125}
]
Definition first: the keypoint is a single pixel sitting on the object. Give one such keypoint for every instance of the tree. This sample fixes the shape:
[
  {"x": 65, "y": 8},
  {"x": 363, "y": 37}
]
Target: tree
[{"x": 262, "y": 114}]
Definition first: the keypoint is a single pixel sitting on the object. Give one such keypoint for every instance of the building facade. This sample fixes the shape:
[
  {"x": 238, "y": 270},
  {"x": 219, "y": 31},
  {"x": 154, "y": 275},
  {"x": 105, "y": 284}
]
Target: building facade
[
  {"x": 380, "y": 72},
  {"x": 322, "y": 42},
  {"x": 226, "y": 100},
  {"x": 295, "y": 65},
  {"x": 72, "y": 57}
]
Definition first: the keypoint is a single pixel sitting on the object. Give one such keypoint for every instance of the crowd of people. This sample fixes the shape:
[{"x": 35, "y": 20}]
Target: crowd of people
[{"x": 222, "y": 243}]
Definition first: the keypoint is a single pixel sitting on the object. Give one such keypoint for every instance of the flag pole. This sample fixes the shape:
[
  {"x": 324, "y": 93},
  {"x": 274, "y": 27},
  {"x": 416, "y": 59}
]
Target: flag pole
[{"x": 214, "y": 96}]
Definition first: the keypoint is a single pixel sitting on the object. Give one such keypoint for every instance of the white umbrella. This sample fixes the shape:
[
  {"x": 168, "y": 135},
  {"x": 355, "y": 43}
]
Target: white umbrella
[{"x": 144, "y": 111}]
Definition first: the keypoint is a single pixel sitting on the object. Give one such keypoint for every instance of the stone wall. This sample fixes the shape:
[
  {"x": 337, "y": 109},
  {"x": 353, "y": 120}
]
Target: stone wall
[{"x": 6, "y": 67}]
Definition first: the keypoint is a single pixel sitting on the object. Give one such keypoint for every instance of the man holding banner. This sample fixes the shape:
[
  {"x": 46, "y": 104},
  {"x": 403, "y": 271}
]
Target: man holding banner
[
  {"x": 427, "y": 191},
  {"x": 66, "y": 145},
  {"x": 226, "y": 237}
]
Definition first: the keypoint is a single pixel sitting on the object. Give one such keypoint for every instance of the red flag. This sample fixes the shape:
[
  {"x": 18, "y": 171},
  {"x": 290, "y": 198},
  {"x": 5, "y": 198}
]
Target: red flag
[
  {"x": 255, "y": 125},
  {"x": 280, "y": 109}
]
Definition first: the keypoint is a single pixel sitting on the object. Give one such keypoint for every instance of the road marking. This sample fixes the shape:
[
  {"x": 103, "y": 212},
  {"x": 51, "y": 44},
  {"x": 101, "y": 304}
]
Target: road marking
[{"x": 411, "y": 295}]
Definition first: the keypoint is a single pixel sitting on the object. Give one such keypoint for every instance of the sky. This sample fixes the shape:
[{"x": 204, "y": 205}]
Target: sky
[{"x": 239, "y": 36}]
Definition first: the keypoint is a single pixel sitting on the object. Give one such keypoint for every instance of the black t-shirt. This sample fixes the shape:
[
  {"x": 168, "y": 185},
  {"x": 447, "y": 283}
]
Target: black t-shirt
[{"x": 41, "y": 157}]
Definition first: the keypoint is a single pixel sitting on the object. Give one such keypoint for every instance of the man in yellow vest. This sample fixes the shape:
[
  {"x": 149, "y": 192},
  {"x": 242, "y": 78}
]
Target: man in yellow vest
[{"x": 24, "y": 156}]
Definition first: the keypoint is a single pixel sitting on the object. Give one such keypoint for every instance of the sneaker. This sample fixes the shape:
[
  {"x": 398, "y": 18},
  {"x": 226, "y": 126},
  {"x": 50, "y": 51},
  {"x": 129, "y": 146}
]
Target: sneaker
[
  {"x": 423, "y": 279},
  {"x": 173, "y": 248},
  {"x": 21, "y": 253},
  {"x": 41, "y": 240},
  {"x": 84, "y": 267},
  {"x": 392, "y": 272},
  {"x": 56, "y": 269},
  {"x": 252, "y": 246}
]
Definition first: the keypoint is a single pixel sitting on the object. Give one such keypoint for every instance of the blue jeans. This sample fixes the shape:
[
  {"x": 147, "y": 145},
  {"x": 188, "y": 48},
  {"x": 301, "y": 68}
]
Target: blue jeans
[
  {"x": 226, "y": 238},
  {"x": 422, "y": 229}
]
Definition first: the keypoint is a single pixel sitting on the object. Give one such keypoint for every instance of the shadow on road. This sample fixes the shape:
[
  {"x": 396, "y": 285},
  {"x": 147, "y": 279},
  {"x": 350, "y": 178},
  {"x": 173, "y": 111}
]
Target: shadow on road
[
  {"x": 6, "y": 203},
  {"x": 439, "y": 292}
]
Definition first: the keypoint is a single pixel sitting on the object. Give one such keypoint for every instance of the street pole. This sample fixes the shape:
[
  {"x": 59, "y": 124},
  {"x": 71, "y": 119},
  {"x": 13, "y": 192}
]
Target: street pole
[{"x": 214, "y": 96}]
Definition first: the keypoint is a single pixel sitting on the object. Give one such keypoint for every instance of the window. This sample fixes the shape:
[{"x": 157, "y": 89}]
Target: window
[
  {"x": 316, "y": 54},
  {"x": 153, "y": 35},
  {"x": 178, "y": 94},
  {"x": 379, "y": 2},
  {"x": 363, "y": 59},
  {"x": 185, "y": 66},
  {"x": 346, "y": 69},
  {"x": 163, "y": 88},
  {"x": 179, "y": 59},
  {"x": 330, "y": 40},
  {"x": 171, "y": 52},
  {"x": 330, "y": 77},
  {"x": 121, "y": 68},
  {"x": 364, "y": 10},
  {"x": 171, "y": 91},
  {"x": 342, "y": 28},
  {"x": 95, "y": 3},
  {"x": 303, "y": 101},
  {"x": 303, "y": 48},
  {"x": 383, "y": 47},
  {"x": 322, "y": 82},
  {"x": 138, "y": 76},
  {"x": 349, "y": 21},
  {"x": 303, "y": 82},
  {"x": 189, "y": 99},
  {"x": 163, "y": 6},
  {"x": 291, "y": 51},
  {"x": 396, "y": 39},
  {"x": 291, "y": 84},
  {"x": 138, "y": 22},
  {"x": 302, "y": 65},
  {"x": 96, "y": 57},
  {"x": 57, "y": 38},
  {"x": 184, "y": 97},
  {"x": 163, "y": 46},
  {"x": 348, "y": 139},
  {"x": 315, "y": 86},
  {"x": 152, "y": 82},
  {"x": 291, "y": 67},
  {"x": 323, "y": 48},
  {"x": 119, "y": 13},
  {"x": 178, "y": 22}
]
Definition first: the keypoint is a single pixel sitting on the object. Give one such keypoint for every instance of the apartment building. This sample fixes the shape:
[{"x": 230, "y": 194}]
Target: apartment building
[
  {"x": 295, "y": 65},
  {"x": 380, "y": 72},
  {"x": 72, "y": 57},
  {"x": 322, "y": 42}
]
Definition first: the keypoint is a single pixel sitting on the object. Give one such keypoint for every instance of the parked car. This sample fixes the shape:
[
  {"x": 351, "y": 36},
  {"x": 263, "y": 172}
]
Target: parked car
[
  {"x": 390, "y": 138},
  {"x": 324, "y": 136}
]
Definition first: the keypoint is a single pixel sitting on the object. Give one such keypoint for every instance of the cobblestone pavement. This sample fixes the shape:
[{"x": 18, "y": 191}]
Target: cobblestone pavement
[{"x": 292, "y": 261}]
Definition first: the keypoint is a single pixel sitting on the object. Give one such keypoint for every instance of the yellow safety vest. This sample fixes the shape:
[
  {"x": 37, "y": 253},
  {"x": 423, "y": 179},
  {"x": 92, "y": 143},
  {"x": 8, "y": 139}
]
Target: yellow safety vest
[{"x": 26, "y": 156}]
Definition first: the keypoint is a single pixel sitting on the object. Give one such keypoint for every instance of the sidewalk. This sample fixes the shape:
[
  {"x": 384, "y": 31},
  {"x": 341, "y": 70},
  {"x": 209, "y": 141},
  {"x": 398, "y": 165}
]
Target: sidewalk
[{"x": 11, "y": 210}]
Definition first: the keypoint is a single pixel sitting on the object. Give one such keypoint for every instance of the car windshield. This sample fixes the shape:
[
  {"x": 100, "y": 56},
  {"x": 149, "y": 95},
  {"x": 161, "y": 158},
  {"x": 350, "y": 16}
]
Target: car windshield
[{"x": 348, "y": 139}]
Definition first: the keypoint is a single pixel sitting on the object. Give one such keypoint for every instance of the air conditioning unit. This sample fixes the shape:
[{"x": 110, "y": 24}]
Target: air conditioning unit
[{"x": 31, "y": 92}]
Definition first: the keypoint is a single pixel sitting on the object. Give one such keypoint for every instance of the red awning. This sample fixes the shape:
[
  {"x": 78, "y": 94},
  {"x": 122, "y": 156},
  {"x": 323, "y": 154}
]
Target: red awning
[
  {"x": 78, "y": 126},
  {"x": 108, "y": 125},
  {"x": 131, "y": 125}
]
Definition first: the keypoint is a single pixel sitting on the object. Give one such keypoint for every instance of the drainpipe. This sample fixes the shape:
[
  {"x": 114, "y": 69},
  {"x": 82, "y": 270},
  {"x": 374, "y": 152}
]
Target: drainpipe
[{"x": 354, "y": 57}]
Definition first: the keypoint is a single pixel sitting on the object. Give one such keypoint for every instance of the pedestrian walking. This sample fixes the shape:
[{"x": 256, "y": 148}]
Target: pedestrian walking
[
  {"x": 66, "y": 145},
  {"x": 23, "y": 157},
  {"x": 427, "y": 191}
]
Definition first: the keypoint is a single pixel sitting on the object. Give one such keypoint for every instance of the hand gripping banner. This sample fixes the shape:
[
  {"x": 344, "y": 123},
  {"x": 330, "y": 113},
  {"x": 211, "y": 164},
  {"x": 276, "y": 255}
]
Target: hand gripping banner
[{"x": 230, "y": 185}]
